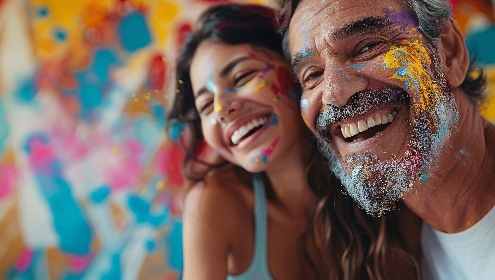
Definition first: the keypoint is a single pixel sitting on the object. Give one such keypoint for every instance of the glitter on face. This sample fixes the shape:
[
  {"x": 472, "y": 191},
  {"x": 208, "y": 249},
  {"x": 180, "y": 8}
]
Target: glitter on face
[{"x": 379, "y": 185}]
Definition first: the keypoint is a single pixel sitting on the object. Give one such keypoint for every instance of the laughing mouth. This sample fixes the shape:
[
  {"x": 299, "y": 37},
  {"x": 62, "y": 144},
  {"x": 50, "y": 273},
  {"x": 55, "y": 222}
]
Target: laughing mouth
[
  {"x": 247, "y": 130},
  {"x": 367, "y": 128}
]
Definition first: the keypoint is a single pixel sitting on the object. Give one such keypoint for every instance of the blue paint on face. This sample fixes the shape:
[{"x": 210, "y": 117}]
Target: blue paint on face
[
  {"x": 357, "y": 66},
  {"x": 264, "y": 160},
  {"x": 214, "y": 121},
  {"x": 211, "y": 86},
  {"x": 274, "y": 120},
  {"x": 134, "y": 32},
  {"x": 268, "y": 67},
  {"x": 423, "y": 178},
  {"x": 230, "y": 90},
  {"x": 304, "y": 103},
  {"x": 100, "y": 195}
]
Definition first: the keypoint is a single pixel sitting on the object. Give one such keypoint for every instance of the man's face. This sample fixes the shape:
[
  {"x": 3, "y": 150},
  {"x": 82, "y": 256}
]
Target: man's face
[{"x": 374, "y": 94}]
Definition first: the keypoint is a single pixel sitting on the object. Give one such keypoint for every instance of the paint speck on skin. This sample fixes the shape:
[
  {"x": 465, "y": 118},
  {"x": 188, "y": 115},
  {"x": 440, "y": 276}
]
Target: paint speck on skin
[
  {"x": 423, "y": 178},
  {"x": 214, "y": 121},
  {"x": 304, "y": 103}
]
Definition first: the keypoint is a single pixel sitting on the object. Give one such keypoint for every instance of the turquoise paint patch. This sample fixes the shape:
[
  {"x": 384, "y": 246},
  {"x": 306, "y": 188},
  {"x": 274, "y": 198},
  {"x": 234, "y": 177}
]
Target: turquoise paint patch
[
  {"x": 176, "y": 257},
  {"x": 264, "y": 160},
  {"x": 274, "y": 120},
  {"x": 175, "y": 129},
  {"x": 91, "y": 96},
  {"x": 304, "y": 103},
  {"x": 69, "y": 221},
  {"x": 134, "y": 32},
  {"x": 60, "y": 34},
  {"x": 100, "y": 195},
  {"x": 27, "y": 90},
  {"x": 423, "y": 178},
  {"x": 43, "y": 12},
  {"x": 114, "y": 270},
  {"x": 139, "y": 207}
]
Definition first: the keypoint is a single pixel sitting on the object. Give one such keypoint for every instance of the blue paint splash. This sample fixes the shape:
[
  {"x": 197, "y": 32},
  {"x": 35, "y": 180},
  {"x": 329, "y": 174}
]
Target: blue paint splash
[{"x": 134, "y": 32}]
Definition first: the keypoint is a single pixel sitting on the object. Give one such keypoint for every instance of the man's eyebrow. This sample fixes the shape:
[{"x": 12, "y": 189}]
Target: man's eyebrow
[
  {"x": 298, "y": 60},
  {"x": 364, "y": 25}
]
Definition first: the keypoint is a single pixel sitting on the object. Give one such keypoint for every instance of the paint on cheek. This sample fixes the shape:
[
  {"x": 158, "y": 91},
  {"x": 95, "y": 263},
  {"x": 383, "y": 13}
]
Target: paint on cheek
[
  {"x": 230, "y": 90},
  {"x": 409, "y": 59},
  {"x": 263, "y": 84},
  {"x": 265, "y": 153},
  {"x": 214, "y": 120},
  {"x": 218, "y": 107},
  {"x": 211, "y": 86},
  {"x": 274, "y": 120},
  {"x": 268, "y": 67},
  {"x": 304, "y": 103}
]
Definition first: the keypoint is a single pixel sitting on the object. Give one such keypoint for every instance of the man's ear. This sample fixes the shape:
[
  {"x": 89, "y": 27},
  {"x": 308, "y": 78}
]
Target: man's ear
[{"x": 454, "y": 53}]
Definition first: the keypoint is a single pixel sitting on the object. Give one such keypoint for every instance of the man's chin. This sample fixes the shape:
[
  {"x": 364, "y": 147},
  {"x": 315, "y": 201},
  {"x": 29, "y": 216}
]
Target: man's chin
[{"x": 367, "y": 180}]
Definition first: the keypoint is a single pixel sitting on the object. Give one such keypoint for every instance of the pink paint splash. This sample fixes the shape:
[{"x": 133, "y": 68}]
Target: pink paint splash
[
  {"x": 128, "y": 171},
  {"x": 78, "y": 264},
  {"x": 8, "y": 179},
  {"x": 24, "y": 260},
  {"x": 265, "y": 153},
  {"x": 41, "y": 156}
]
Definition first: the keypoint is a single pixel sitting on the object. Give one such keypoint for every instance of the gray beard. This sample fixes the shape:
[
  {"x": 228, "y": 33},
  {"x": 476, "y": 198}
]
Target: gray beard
[{"x": 378, "y": 186}]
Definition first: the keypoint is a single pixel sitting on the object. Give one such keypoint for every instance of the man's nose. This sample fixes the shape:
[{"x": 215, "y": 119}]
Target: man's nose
[{"x": 341, "y": 83}]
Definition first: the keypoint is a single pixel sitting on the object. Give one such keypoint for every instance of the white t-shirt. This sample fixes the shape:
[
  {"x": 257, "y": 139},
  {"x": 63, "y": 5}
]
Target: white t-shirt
[{"x": 469, "y": 254}]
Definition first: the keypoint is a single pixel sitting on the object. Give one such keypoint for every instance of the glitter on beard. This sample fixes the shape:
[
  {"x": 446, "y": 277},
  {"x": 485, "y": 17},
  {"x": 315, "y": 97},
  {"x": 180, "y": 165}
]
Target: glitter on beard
[{"x": 378, "y": 186}]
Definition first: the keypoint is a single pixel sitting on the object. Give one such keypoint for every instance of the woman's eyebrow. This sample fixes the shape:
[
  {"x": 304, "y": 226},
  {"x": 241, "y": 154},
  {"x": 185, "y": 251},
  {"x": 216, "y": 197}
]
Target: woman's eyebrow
[{"x": 226, "y": 70}]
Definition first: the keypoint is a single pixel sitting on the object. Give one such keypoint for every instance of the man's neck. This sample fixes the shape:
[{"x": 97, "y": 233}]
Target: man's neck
[{"x": 460, "y": 189}]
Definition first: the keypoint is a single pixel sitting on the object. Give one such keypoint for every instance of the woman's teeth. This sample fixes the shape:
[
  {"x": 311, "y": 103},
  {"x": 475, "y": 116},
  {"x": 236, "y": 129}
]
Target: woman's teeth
[
  {"x": 245, "y": 129},
  {"x": 352, "y": 129}
]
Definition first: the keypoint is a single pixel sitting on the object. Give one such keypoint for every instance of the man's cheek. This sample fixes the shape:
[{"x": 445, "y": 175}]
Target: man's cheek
[{"x": 308, "y": 112}]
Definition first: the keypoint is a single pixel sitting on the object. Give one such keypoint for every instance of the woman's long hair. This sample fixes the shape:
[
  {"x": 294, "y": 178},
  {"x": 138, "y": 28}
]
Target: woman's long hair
[{"x": 352, "y": 244}]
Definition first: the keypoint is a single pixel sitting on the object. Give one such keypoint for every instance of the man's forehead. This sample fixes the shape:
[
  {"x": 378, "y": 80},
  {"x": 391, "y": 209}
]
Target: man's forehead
[{"x": 316, "y": 20}]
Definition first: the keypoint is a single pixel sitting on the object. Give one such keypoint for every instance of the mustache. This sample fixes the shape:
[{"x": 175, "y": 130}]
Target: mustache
[{"x": 360, "y": 103}]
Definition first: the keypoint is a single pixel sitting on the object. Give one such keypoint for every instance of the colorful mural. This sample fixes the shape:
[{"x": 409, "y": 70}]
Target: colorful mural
[{"x": 90, "y": 185}]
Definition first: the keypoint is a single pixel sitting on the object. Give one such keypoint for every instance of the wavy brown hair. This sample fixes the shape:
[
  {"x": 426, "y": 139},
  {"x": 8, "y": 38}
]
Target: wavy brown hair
[{"x": 352, "y": 244}]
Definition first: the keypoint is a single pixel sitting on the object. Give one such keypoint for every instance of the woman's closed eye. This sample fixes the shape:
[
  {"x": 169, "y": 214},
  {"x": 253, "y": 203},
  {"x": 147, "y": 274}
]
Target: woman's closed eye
[
  {"x": 244, "y": 77},
  {"x": 204, "y": 106}
]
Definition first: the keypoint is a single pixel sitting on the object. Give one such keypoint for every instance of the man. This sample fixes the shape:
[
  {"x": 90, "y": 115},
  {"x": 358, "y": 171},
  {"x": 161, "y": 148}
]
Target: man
[{"x": 389, "y": 91}]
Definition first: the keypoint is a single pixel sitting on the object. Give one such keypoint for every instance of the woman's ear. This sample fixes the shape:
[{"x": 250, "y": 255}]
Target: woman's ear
[{"x": 454, "y": 53}]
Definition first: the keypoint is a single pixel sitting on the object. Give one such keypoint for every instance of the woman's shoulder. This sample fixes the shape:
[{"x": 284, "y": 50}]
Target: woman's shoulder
[{"x": 224, "y": 195}]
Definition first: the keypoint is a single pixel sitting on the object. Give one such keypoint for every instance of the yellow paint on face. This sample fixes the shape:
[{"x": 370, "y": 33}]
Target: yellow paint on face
[
  {"x": 218, "y": 108},
  {"x": 263, "y": 84},
  {"x": 408, "y": 58}
]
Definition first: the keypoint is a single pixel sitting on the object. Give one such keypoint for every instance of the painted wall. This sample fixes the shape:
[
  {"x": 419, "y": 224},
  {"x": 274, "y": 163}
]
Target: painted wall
[{"x": 90, "y": 185}]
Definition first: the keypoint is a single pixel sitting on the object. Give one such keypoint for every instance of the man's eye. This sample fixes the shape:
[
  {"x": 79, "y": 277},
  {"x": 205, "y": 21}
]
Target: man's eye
[
  {"x": 369, "y": 49},
  {"x": 245, "y": 77},
  {"x": 310, "y": 78}
]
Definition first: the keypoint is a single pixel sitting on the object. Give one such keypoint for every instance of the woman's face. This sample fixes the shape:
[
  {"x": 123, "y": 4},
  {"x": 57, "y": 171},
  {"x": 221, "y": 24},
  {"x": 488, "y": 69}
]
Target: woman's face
[{"x": 248, "y": 103}]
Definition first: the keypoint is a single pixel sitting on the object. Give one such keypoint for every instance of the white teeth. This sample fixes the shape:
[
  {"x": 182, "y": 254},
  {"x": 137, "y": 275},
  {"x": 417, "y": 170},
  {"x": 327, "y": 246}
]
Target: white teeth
[
  {"x": 352, "y": 129},
  {"x": 362, "y": 126},
  {"x": 243, "y": 130},
  {"x": 371, "y": 122}
]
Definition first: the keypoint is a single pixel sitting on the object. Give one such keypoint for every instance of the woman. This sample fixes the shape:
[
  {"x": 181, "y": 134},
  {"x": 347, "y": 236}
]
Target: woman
[{"x": 266, "y": 207}]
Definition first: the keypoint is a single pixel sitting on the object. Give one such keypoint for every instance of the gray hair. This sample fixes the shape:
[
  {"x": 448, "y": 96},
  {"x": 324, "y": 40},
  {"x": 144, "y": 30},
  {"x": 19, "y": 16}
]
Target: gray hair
[{"x": 432, "y": 15}]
